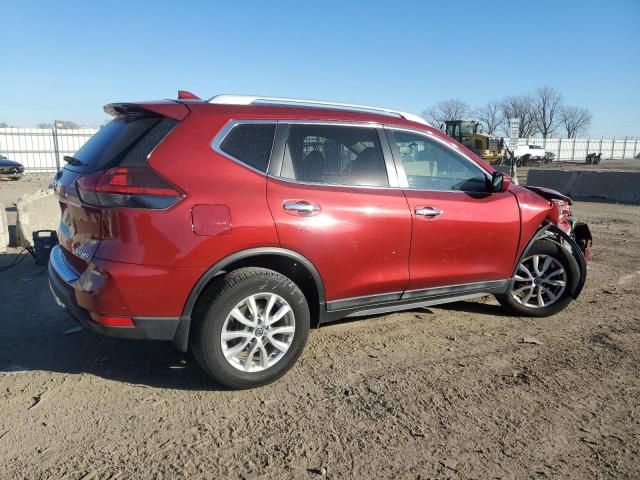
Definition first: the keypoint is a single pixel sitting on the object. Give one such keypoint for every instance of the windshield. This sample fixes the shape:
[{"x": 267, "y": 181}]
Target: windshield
[{"x": 466, "y": 127}]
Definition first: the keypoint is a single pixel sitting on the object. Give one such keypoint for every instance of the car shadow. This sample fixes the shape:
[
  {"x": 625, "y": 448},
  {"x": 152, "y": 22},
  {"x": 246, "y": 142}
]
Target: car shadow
[
  {"x": 477, "y": 307},
  {"x": 37, "y": 335},
  {"x": 424, "y": 312}
]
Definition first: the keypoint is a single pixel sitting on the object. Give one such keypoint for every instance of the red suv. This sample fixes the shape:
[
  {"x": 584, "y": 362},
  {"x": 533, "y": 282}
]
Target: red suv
[{"x": 229, "y": 226}]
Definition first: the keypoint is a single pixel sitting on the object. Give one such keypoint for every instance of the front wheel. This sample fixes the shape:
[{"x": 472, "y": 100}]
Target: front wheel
[
  {"x": 540, "y": 286},
  {"x": 251, "y": 328}
]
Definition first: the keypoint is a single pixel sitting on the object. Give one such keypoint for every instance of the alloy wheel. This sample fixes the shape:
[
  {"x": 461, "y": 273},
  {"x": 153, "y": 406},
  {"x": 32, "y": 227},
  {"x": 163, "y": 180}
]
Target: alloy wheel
[
  {"x": 258, "y": 332},
  {"x": 539, "y": 282}
]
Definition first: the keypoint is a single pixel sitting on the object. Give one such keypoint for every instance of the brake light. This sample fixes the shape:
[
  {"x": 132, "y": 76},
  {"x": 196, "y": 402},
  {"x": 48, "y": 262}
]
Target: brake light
[{"x": 133, "y": 187}]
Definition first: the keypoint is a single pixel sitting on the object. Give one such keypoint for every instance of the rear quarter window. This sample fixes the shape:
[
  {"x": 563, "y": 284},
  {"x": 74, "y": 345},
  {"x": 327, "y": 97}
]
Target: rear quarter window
[{"x": 250, "y": 144}]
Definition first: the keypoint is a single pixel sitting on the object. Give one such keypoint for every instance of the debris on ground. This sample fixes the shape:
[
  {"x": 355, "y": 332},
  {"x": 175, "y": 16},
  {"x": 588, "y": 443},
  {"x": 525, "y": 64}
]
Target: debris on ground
[
  {"x": 531, "y": 340},
  {"x": 72, "y": 330}
]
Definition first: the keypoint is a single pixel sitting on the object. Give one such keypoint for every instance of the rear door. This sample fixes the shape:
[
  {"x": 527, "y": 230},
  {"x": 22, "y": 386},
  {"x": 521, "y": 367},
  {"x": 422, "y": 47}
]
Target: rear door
[
  {"x": 332, "y": 199},
  {"x": 461, "y": 233},
  {"x": 125, "y": 141}
]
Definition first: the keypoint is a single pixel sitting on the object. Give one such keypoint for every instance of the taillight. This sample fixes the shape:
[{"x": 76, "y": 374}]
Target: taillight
[{"x": 132, "y": 187}]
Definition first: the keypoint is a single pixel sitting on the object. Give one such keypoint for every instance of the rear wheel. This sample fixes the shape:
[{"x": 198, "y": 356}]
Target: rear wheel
[
  {"x": 540, "y": 286},
  {"x": 251, "y": 329}
]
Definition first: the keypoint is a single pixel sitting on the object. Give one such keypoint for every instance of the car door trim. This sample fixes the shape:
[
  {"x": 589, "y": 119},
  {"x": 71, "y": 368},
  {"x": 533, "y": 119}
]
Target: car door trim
[{"x": 411, "y": 296}]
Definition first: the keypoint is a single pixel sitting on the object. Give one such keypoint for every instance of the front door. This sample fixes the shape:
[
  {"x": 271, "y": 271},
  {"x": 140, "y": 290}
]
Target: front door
[
  {"x": 461, "y": 233},
  {"x": 332, "y": 203}
]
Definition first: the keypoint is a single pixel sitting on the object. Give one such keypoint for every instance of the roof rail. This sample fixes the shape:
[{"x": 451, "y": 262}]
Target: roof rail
[{"x": 300, "y": 102}]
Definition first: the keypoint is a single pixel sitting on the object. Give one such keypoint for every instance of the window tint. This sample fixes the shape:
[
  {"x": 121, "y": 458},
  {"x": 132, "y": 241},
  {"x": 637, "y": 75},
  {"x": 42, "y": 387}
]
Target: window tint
[
  {"x": 125, "y": 141},
  {"x": 432, "y": 166},
  {"x": 251, "y": 144},
  {"x": 337, "y": 155}
]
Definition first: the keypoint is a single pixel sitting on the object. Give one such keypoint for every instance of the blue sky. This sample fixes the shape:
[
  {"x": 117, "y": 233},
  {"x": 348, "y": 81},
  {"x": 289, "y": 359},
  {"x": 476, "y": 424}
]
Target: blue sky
[{"x": 67, "y": 59}]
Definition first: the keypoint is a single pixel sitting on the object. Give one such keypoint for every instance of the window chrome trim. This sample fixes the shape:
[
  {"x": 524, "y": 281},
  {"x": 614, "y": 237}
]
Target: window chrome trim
[
  {"x": 400, "y": 175},
  {"x": 331, "y": 123},
  {"x": 331, "y": 185},
  {"x": 217, "y": 140},
  {"x": 452, "y": 146}
]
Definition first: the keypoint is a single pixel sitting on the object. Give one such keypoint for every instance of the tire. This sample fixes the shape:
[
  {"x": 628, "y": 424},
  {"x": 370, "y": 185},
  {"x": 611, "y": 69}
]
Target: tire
[
  {"x": 515, "y": 299},
  {"x": 227, "y": 308}
]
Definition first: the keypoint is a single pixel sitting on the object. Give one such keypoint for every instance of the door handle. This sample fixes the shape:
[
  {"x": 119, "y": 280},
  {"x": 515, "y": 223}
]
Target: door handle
[
  {"x": 300, "y": 206},
  {"x": 428, "y": 212}
]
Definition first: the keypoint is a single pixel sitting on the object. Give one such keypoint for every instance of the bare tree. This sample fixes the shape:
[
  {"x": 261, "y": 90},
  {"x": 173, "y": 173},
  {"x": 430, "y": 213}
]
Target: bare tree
[
  {"x": 547, "y": 103},
  {"x": 452, "y": 109},
  {"x": 490, "y": 116},
  {"x": 575, "y": 120},
  {"x": 519, "y": 106},
  {"x": 4, "y": 125}
]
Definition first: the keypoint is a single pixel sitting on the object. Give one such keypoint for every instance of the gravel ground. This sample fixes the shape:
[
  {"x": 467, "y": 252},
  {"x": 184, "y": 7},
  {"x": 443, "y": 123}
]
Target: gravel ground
[{"x": 451, "y": 392}]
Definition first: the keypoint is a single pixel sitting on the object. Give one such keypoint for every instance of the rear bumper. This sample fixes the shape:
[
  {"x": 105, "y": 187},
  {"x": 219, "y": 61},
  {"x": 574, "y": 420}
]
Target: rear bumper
[{"x": 145, "y": 328}]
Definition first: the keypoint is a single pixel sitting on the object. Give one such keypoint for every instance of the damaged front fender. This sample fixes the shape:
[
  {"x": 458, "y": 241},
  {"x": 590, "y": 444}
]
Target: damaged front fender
[{"x": 576, "y": 251}]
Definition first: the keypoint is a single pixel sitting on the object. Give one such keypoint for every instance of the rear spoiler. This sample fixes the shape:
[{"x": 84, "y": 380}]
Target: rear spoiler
[{"x": 165, "y": 108}]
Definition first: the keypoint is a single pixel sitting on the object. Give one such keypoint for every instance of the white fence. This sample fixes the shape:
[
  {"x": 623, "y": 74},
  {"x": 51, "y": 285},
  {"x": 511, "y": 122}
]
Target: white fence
[
  {"x": 43, "y": 149},
  {"x": 576, "y": 149}
]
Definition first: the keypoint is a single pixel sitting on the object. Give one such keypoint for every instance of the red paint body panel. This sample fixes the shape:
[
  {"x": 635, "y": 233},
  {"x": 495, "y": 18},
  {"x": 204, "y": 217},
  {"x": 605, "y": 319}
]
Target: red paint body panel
[
  {"x": 364, "y": 241},
  {"x": 475, "y": 239},
  {"x": 359, "y": 241},
  {"x": 186, "y": 158},
  {"x": 211, "y": 219},
  {"x": 123, "y": 289},
  {"x": 533, "y": 211}
]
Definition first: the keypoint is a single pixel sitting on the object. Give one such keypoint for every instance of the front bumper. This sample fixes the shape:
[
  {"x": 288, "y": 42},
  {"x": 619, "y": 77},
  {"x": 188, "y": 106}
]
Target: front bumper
[
  {"x": 10, "y": 175},
  {"x": 62, "y": 287}
]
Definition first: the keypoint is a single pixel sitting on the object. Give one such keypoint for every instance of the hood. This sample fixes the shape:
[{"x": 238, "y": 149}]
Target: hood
[
  {"x": 4, "y": 162},
  {"x": 548, "y": 193}
]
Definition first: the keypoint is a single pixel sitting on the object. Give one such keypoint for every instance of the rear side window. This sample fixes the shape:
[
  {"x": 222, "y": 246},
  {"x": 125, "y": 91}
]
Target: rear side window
[
  {"x": 250, "y": 144},
  {"x": 336, "y": 155},
  {"x": 124, "y": 141}
]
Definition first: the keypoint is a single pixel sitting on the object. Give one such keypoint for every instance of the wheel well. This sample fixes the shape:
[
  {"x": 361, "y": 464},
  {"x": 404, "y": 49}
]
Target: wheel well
[
  {"x": 569, "y": 248},
  {"x": 289, "y": 267}
]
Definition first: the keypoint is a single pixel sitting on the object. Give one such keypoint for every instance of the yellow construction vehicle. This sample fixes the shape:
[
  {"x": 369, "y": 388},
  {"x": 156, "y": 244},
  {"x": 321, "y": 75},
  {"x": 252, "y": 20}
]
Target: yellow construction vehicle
[{"x": 469, "y": 133}]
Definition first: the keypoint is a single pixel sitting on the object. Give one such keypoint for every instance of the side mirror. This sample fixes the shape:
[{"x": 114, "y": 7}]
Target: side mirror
[{"x": 500, "y": 182}]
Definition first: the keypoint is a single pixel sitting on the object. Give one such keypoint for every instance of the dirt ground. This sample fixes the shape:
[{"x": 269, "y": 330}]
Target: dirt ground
[{"x": 450, "y": 392}]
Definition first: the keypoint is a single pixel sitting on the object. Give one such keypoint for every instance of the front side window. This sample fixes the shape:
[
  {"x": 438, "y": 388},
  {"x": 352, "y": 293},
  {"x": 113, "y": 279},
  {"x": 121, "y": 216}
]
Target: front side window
[
  {"x": 251, "y": 144},
  {"x": 337, "y": 155},
  {"x": 430, "y": 165}
]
